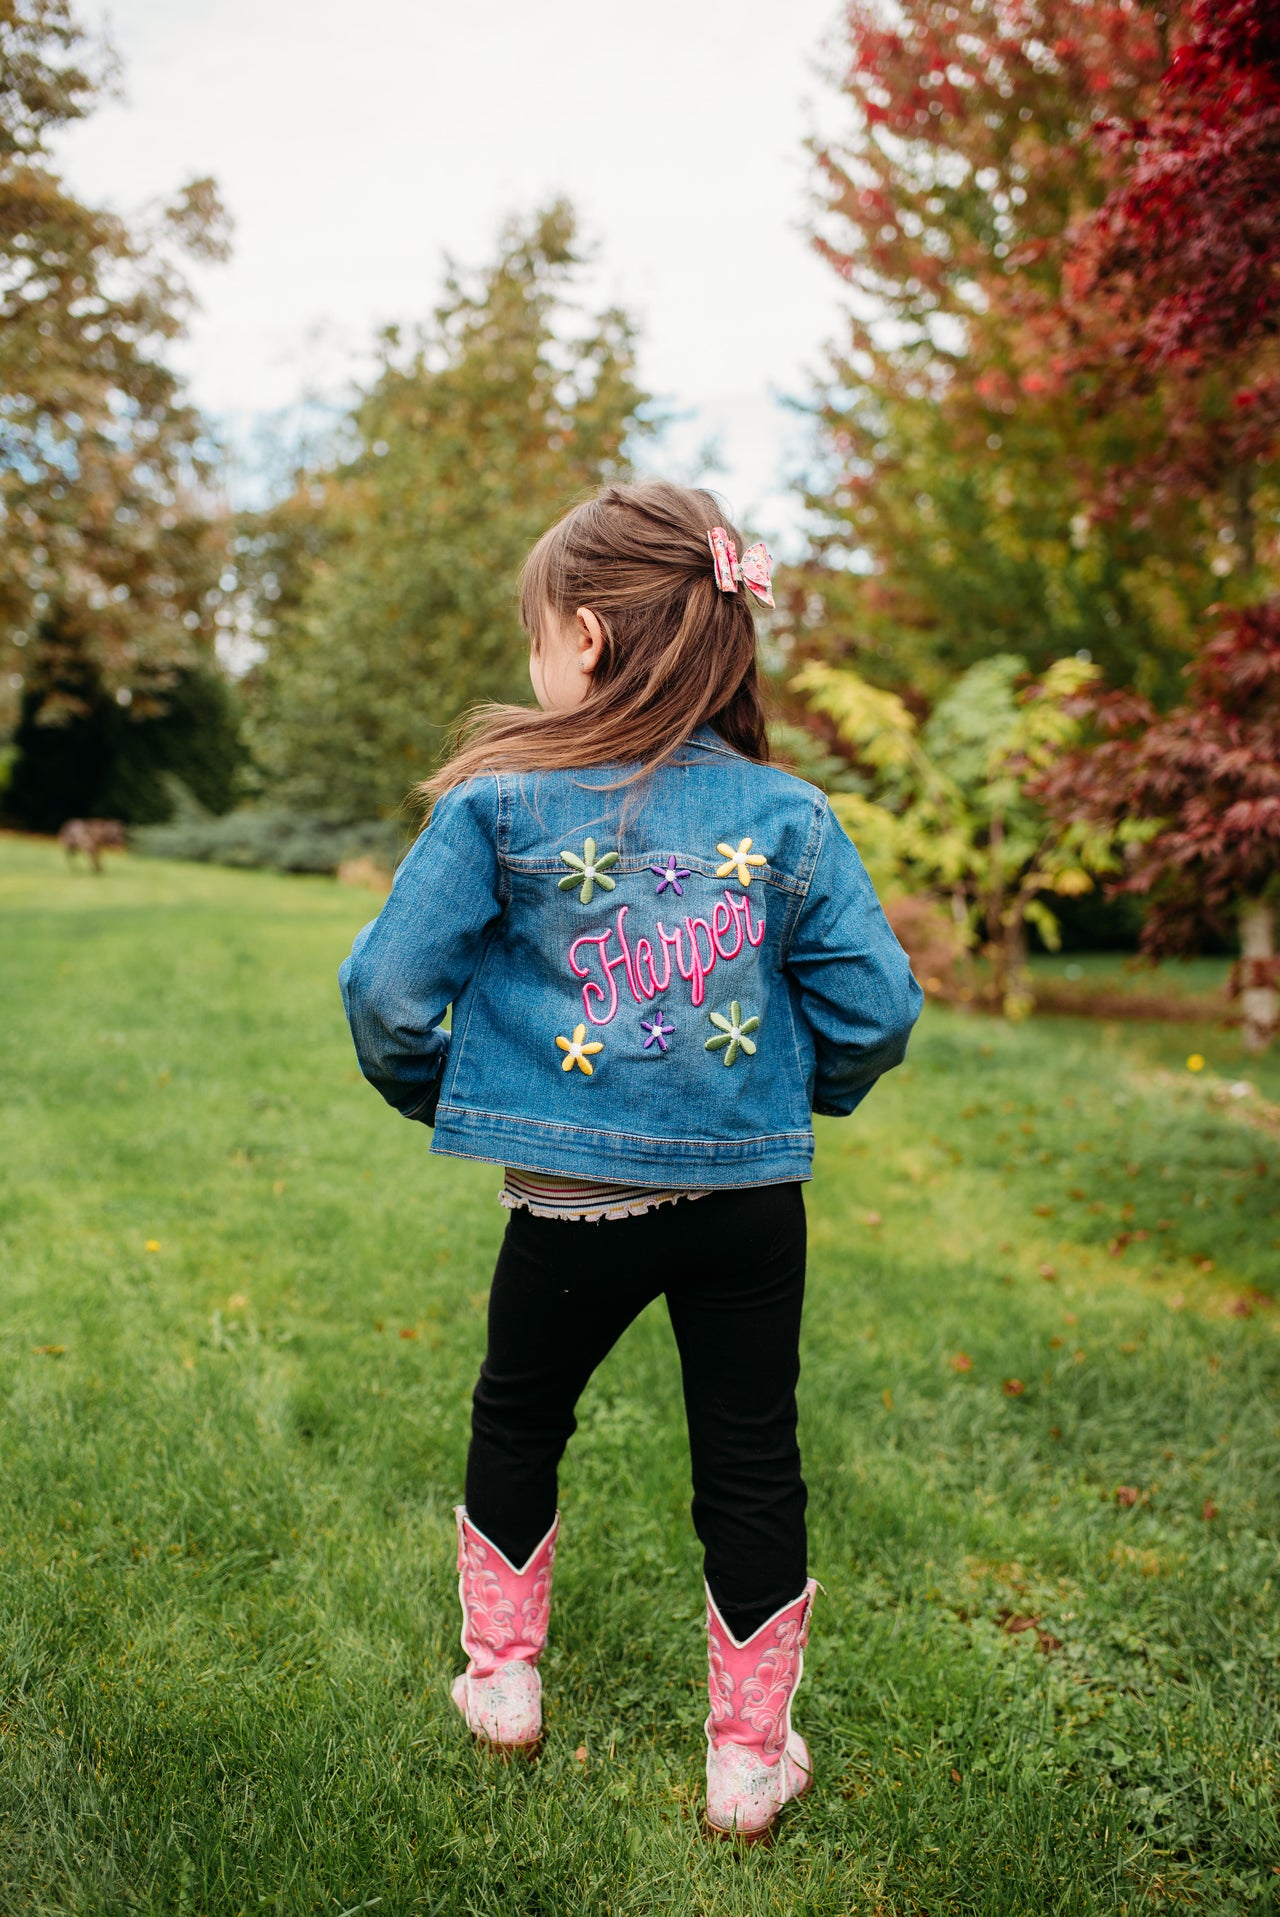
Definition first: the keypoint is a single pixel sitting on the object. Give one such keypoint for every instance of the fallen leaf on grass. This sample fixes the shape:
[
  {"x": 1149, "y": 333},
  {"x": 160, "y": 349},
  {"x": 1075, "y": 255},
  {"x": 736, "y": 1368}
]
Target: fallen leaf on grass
[
  {"x": 961, "y": 1362},
  {"x": 1048, "y": 1273},
  {"x": 887, "y": 1397},
  {"x": 1177, "y": 1301},
  {"x": 1127, "y": 1495},
  {"x": 1204, "y": 1264},
  {"x": 1015, "y": 1623},
  {"x": 872, "y": 1218},
  {"x": 408, "y": 1331},
  {"x": 580, "y": 1755},
  {"x": 1210, "y": 1511},
  {"x": 1043, "y": 1211},
  {"x": 1013, "y": 1387},
  {"x": 955, "y": 1776},
  {"x": 1118, "y": 1244},
  {"x": 1055, "y": 1341},
  {"x": 237, "y": 1301},
  {"x": 48, "y": 1351},
  {"x": 1240, "y": 1308}
]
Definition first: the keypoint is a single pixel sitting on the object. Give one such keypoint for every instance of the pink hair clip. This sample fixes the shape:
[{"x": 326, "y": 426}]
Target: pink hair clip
[{"x": 754, "y": 571}]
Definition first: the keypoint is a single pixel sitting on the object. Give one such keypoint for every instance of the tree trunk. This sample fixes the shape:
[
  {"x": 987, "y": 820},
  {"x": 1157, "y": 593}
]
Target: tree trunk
[
  {"x": 1016, "y": 998},
  {"x": 1258, "y": 973},
  {"x": 1245, "y": 513}
]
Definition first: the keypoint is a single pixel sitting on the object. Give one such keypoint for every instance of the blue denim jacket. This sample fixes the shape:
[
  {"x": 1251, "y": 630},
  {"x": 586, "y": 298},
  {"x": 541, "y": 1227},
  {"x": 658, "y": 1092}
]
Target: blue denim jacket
[{"x": 656, "y": 983}]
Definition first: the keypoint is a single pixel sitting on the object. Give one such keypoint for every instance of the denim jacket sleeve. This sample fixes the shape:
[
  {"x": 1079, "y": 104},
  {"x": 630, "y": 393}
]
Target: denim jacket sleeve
[
  {"x": 407, "y": 966},
  {"x": 856, "y": 989}
]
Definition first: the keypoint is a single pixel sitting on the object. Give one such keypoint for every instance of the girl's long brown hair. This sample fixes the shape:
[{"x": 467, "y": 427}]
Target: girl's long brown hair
[{"x": 678, "y": 652}]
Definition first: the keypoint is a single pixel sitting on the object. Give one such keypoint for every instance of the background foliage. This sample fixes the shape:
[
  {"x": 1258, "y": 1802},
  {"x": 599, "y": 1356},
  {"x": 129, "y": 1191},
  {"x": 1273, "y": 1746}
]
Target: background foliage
[
  {"x": 108, "y": 546},
  {"x": 964, "y": 503},
  {"x": 472, "y": 438}
]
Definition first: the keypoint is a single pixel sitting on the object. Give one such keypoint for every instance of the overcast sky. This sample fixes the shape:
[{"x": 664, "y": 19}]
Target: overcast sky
[{"x": 355, "y": 146}]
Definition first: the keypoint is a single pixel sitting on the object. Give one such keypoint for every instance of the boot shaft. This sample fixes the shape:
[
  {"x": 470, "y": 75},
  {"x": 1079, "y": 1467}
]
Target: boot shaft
[
  {"x": 751, "y": 1684},
  {"x": 505, "y": 1609}
]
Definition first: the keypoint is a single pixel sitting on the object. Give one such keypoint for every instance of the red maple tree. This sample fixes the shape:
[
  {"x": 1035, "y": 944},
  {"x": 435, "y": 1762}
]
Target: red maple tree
[
  {"x": 1207, "y": 777},
  {"x": 1172, "y": 287},
  {"x": 1176, "y": 277}
]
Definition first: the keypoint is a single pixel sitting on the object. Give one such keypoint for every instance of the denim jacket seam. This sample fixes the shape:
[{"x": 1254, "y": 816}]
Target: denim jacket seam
[
  {"x": 633, "y": 865},
  {"x": 709, "y": 1147},
  {"x": 808, "y": 866},
  {"x": 458, "y": 1037}
]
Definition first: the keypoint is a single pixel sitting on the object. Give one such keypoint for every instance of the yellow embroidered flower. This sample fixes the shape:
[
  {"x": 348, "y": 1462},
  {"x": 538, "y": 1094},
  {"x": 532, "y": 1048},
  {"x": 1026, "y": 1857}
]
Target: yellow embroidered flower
[
  {"x": 744, "y": 858},
  {"x": 577, "y": 1052}
]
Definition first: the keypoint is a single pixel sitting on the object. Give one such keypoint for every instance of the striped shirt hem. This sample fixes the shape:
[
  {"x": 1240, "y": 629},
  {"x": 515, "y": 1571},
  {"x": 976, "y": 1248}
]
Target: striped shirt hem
[{"x": 589, "y": 1200}]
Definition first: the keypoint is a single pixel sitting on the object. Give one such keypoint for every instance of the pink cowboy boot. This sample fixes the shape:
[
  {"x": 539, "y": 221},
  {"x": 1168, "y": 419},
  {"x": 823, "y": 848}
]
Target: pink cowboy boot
[
  {"x": 756, "y": 1763},
  {"x": 505, "y": 1613}
]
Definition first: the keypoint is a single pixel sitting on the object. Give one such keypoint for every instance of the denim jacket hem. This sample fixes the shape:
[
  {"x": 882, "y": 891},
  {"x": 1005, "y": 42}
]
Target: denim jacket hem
[{"x": 532, "y": 1144}]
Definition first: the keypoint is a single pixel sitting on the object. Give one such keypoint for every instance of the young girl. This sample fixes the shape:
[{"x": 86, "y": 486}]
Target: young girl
[{"x": 662, "y": 957}]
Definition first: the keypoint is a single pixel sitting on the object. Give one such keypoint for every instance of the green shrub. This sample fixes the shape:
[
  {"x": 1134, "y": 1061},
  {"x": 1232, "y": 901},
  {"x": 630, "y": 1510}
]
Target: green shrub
[{"x": 282, "y": 841}]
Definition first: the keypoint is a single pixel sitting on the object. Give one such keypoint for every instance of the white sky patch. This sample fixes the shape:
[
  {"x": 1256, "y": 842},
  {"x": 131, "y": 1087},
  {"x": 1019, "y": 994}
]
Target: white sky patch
[{"x": 355, "y": 150}]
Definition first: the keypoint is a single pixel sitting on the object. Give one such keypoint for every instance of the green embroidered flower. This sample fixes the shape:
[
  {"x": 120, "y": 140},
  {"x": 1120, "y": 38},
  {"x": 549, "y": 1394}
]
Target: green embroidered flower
[
  {"x": 588, "y": 871},
  {"x": 732, "y": 1036}
]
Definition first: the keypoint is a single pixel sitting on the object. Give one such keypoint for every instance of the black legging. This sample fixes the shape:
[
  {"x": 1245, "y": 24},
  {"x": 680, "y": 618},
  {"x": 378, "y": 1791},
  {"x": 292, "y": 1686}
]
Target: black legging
[{"x": 732, "y": 1268}]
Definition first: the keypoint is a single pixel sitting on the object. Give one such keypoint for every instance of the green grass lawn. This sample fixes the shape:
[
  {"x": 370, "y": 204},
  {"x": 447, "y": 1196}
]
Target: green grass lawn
[{"x": 240, "y": 1317}]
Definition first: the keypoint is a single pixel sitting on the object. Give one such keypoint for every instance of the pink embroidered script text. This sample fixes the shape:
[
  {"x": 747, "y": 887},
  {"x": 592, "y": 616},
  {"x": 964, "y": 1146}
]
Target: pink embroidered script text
[{"x": 696, "y": 945}]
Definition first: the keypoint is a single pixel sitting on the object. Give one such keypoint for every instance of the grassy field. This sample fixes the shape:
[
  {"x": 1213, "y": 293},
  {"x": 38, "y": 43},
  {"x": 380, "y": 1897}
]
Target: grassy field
[{"x": 240, "y": 1318}]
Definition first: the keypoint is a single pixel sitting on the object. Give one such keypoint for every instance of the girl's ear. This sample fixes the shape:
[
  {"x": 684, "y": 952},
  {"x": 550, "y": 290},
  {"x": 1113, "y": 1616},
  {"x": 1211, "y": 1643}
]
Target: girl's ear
[{"x": 590, "y": 638}]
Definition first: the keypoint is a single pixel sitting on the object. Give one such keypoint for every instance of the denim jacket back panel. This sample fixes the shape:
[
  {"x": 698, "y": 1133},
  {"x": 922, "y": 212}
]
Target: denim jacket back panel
[{"x": 624, "y": 1005}]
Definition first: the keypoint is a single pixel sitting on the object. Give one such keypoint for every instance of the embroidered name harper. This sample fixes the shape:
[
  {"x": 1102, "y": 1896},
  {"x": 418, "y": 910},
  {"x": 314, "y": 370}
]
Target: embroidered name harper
[{"x": 696, "y": 946}]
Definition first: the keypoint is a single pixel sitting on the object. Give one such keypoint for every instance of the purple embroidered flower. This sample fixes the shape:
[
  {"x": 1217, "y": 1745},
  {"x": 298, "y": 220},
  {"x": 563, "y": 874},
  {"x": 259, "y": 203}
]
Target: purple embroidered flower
[
  {"x": 658, "y": 1032},
  {"x": 670, "y": 874}
]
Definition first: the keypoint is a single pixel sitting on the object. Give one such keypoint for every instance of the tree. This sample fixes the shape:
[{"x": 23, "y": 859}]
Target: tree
[
  {"x": 107, "y": 552},
  {"x": 1176, "y": 276},
  {"x": 471, "y": 439},
  {"x": 1206, "y": 780},
  {"x": 961, "y": 496},
  {"x": 1175, "y": 280},
  {"x": 948, "y": 810}
]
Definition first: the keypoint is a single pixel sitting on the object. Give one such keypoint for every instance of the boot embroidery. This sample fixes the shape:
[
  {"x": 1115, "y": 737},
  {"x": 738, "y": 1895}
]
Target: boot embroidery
[
  {"x": 719, "y": 1681},
  {"x": 766, "y": 1693},
  {"x": 536, "y": 1608},
  {"x": 490, "y": 1614}
]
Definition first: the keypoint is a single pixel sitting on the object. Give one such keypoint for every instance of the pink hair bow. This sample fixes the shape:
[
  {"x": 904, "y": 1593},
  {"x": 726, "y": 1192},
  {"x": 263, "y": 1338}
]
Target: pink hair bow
[{"x": 755, "y": 569}]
